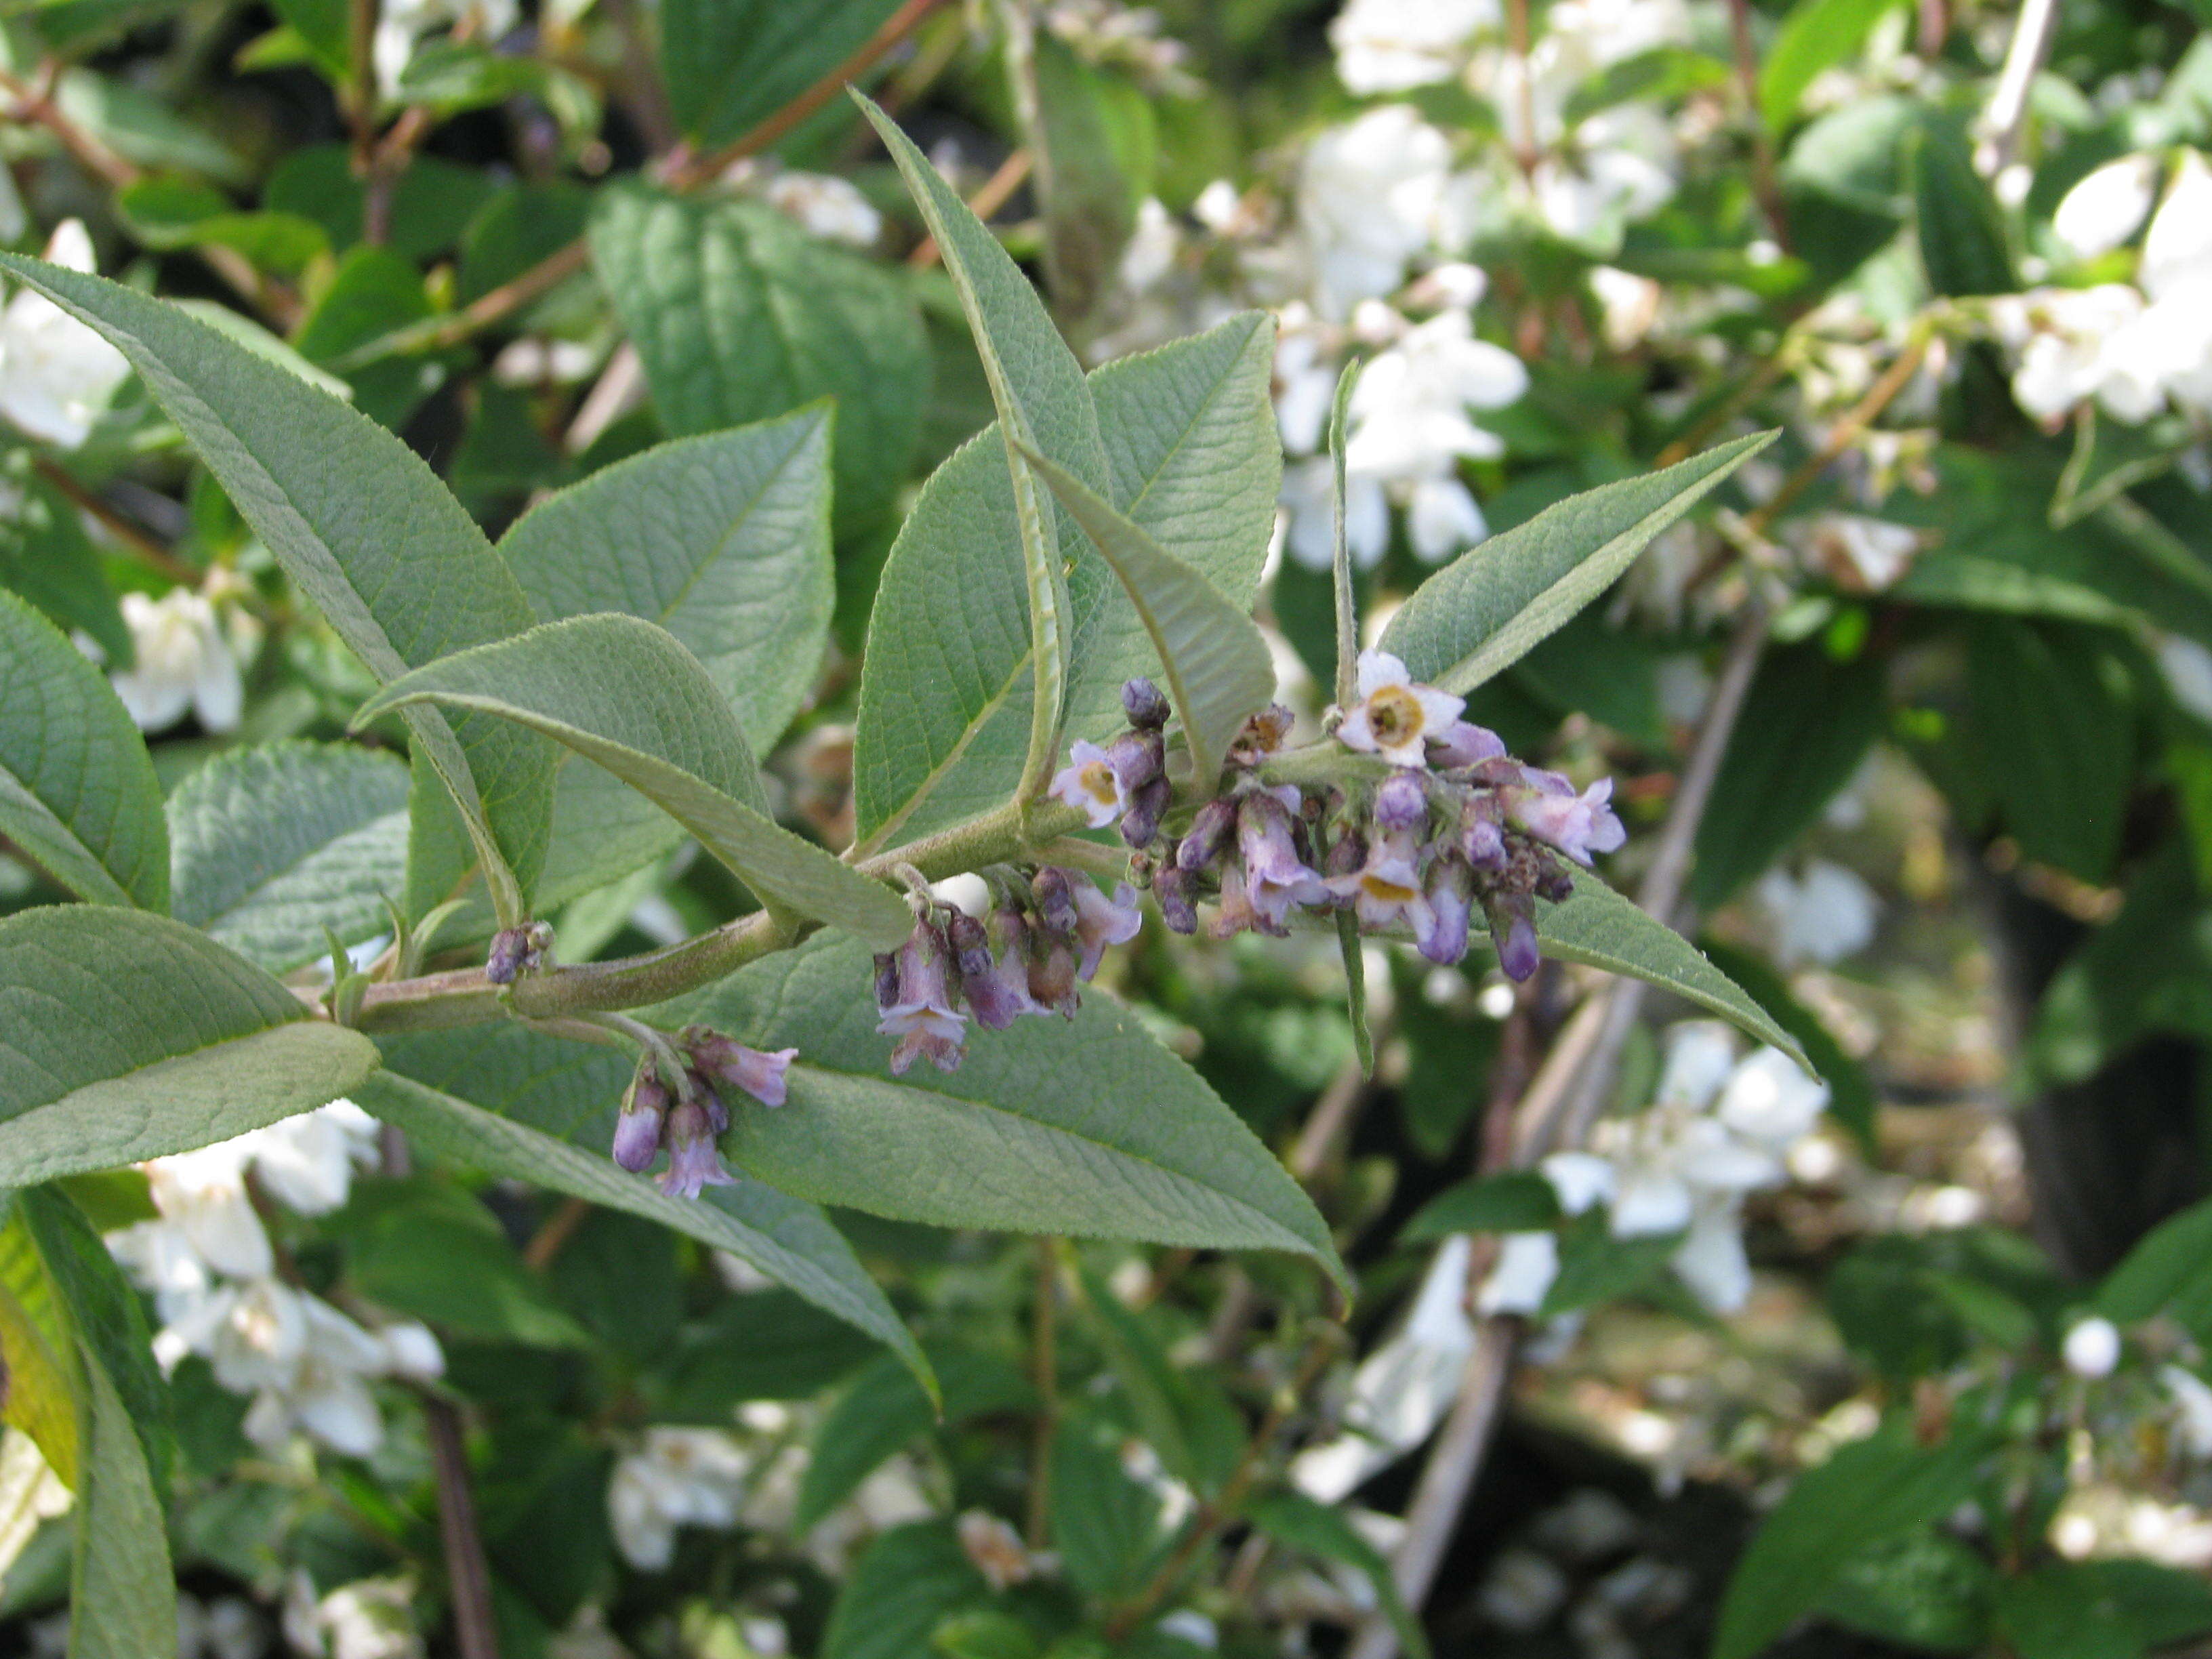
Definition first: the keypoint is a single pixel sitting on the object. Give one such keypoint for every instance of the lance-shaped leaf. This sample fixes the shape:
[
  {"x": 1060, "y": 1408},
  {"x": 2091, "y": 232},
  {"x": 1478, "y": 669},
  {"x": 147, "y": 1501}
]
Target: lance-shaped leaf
[
  {"x": 123, "y": 1591},
  {"x": 625, "y": 694},
  {"x": 1042, "y": 404},
  {"x": 357, "y": 520},
  {"x": 1212, "y": 656},
  {"x": 78, "y": 791},
  {"x": 274, "y": 845},
  {"x": 126, "y": 1036},
  {"x": 1086, "y": 1127},
  {"x": 1488, "y": 608},
  {"x": 1601, "y": 928},
  {"x": 39, "y": 1351},
  {"x": 791, "y": 1242}
]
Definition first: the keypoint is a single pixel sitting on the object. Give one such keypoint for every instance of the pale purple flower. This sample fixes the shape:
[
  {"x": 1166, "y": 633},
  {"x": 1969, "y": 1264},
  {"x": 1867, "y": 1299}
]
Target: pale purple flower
[
  {"x": 922, "y": 1017},
  {"x": 693, "y": 1161},
  {"x": 996, "y": 990},
  {"x": 637, "y": 1131},
  {"x": 1100, "y": 921},
  {"x": 1090, "y": 784},
  {"x": 1171, "y": 892},
  {"x": 1513, "y": 931},
  {"x": 1387, "y": 890},
  {"x": 1401, "y": 801},
  {"x": 1234, "y": 914},
  {"x": 1395, "y": 717},
  {"x": 1275, "y": 878},
  {"x": 1464, "y": 744},
  {"x": 1209, "y": 827},
  {"x": 1451, "y": 895},
  {"x": 1578, "y": 825},
  {"x": 759, "y": 1073}
]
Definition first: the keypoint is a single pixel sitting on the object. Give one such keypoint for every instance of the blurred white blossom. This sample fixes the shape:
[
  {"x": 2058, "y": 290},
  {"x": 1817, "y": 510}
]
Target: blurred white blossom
[
  {"x": 1823, "y": 914},
  {"x": 2107, "y": 206},
  {"x": 181, "y": 661},
  {"x": 1392, "y": 46},
  {"x": 56, "y": 374},
  {"x": 676, "y": 1478}
]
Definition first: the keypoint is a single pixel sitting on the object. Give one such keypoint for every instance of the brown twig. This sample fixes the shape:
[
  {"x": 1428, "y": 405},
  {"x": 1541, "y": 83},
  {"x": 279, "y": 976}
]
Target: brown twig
[
  {"x": 555, "y": 1233},
  {"x": 468, "y": 1575},
  {"x": 772, "y": 131},
  {"x": 1763, "y": 183},
  {"x": 142, "y": 542},
  {"x": 1845, "y": 432}
]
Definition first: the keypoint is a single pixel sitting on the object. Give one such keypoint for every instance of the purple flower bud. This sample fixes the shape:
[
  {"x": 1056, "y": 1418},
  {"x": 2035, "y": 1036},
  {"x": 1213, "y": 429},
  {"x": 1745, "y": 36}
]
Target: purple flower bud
[
  {"x": 1513, "y": 931},
  {"x": 1480, "y": 838},
  {"x": 1171, "y": 889},
  {"x": 1209, "y": 833},
  {"x": 693, "y": 1161},
  {"x": 971, "y": 946},
  {"x": 717, "y": 1114},
  {"x": 1055, "y": 901},
  {"x": 1464, "y": 744},
  {"x": 1141, "y": 824},
  {"x": 1137, "y": 758},
  {"x": 1451, "y": 890},
  {"x": 1142, "y": 702},
  {"x": 510, "y": 954},
  {"x": 1401, "y": 801},
  {"x": 1275, "y": 877},
  {"x": 1052, "y": 965},
  {"x": 637, "y": 1130},
  {"x": 730, "y": 1063}
]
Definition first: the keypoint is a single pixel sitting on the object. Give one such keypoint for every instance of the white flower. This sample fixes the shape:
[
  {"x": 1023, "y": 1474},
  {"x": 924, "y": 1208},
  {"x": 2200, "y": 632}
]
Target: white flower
[
  {"x": 1309, "y": 495},
  {"x": 2193, "y": 1400},
  {"x": 1152, "y": 246},
  {"x": 307, "y": 1163},
  {"x": 56, "y": 374},
  {"x": 2064, "y": 339},
  {"x": 1409, "y": 409},
  {"x": 1629, "y": 304},
  {"x": 1824, "y": 915},
  {"x": 1578, "y": 1179},
  {"x": 1390, "y": 45},
  {"x": 2186, "y": 667},
  {"x": 2178, "y": 247},
  {"x": 369, "y": 1618},
  {"x": 1700, "y": 1054},
  {"x": 2092, "y": 1348},
  {"x": 1090, "y": 784},
  {"x": 1712, "y": 1261},
  {"x": 826, "y": 206},
  {"x": 1527, "y": 1264},
  {"x": 678, "y": 1477},
  {"x": 400, "y": 23},
  {"x": 181, "y": 661},
  {"x": 1395, "y": 716},
  {"x": 1772, "y": 1100},
  {"x": 1371, "y": 195},
  {"x": 2105, "y": 208},
  {"x": 1865, "y": 553}
]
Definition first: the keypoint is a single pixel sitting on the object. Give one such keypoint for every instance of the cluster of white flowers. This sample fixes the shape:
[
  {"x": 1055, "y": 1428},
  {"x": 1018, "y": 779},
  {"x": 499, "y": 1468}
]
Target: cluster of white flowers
[
  {"x": 1718, "y": 1128},
  {"x": 208, "y": 1262},
  {"x": 675, "y": 1478},
  {"x": 56, "y": 374},
  {"x": 368, "y": 1618},
  {"x": 2131, "y": 349},
  {"x": 821, "y": 203}
]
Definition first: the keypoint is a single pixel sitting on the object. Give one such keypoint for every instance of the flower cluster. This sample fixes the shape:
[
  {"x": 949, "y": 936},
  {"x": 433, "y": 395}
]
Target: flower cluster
[
  {"x": 1455, "y": 826},
  {"x": 687, "y": 1120},
  {"x": 1046, "y": 931},
  {"x": 208, "y": 1260}
]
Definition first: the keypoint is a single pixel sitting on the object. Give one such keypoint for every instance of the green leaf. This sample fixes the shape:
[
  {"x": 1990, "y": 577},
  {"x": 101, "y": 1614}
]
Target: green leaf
[
  {"x": 122, "y": 1595},
  {"x": 1923, "y": 1591},
  {"x": 623, "y": 693},
  {"x": 2115, "y": 1609},
  {"x": 77, "y": 792},
  {"x": 737, "y": 315},
  {"x": 1105, "y": 1524},
  {"x": 274, "y": 845},
  {"x": 1086, "y": 1127},
  {"x": 39, "y": 1351},
  {"x": 1816, "y": 35},
  {"x": 2050, "y": 708},
  {"x": 1961, "y": 228},
  {"x": 1043, "y": 405},
  {"x": 730, "y": 65},
  {"x": 458, "y": 1274},
  {"x": 1807, "y": 724},
  {"x": 1485, "y": 610},
  {"x": 788, "y": 1241},
  {"x": 1601, "y": 928},
  {"x": 722, "y": 539},
  {"x": 946, "y": 686},
  {"x": 47, "y": 557},
  {"x": 1513, "y": 1201},
  {"x": 2171, "y": 1264},
  {"x": 1090, "y": 182},
  {"x": 362, "y": 525},
  {"x": 1212, "y": 656},
  {"x": 1871, "y": 1490},
  {"x": 882, "y": 1409},
  {"x": 105, "y": 1313},
  {"x": 1315, "y": 1529},
  {"x": 126, "y": 1036},
  {"x": 909, "y": 1578}
]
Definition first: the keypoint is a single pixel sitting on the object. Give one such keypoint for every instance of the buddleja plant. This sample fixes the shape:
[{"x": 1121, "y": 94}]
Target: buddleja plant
[{"x": 1061, "y": 683}]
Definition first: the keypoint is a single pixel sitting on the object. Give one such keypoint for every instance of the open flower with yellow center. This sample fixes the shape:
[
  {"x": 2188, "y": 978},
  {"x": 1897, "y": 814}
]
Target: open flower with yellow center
[
  {"x": 1387, "y": 888},
  {"x": 1396, "y": 716},
  {"x": 1090, "y": 784}
]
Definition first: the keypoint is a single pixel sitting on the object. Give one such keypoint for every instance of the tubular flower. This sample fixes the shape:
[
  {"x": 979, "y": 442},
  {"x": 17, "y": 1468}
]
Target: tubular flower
[
  {"x": 1100, "y": 921},
  {"x": 1275, "y": 878},
  {"x": 1577, "y": 825},
  {"x": 757, "y": 1072},
  {"x": 1395, "y": 717},
  {"x": 637, "y": 1131},
  {"x": 921, "y": 1016},
  {"x": 1387, "y": 890},
  {"x": 694, "y": 1163}
]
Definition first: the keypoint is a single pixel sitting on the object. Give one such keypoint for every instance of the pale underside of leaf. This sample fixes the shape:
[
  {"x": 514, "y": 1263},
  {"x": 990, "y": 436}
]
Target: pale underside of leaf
[
  {"x": 123, "y": 1592},
  {"x": 1216, "y": 661},
  {"x": 787, "y": 1239},
  {"x": 1601, "y": 928},
  {"x": 1489, "y": 608}
]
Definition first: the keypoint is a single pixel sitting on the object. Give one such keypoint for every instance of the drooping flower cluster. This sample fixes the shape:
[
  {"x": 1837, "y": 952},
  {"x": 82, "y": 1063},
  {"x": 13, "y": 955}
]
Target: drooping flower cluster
[
  {"x": 208, "y": 1260},
  {"x": 1045, "y": 932},
  {"x": 686, "y": 1121},
  {"x": 1457, "y": 825}
]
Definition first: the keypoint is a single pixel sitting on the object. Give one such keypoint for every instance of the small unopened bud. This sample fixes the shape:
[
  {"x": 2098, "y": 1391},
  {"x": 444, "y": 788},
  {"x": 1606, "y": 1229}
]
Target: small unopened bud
[
  {"x": 1141, "y": 822},
  {"x": 971, "y": 946},
  {"x": 1051, "y": 972},
  {"x": 1146, "y": 708},
  {"x": 1171, "y": 889},
  {"x": 1137, "y": 758},
  {"x": 515, "y": 951},
  {"x": 1209, "y": 833},
  {"x": 1055, "y": 900},
  {"x": 1513, "y": 931},
  {"x": 637, "y": 1131},
  {"x": 1555, "y": 885},
  {"x": 1401, "y": 801}
]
